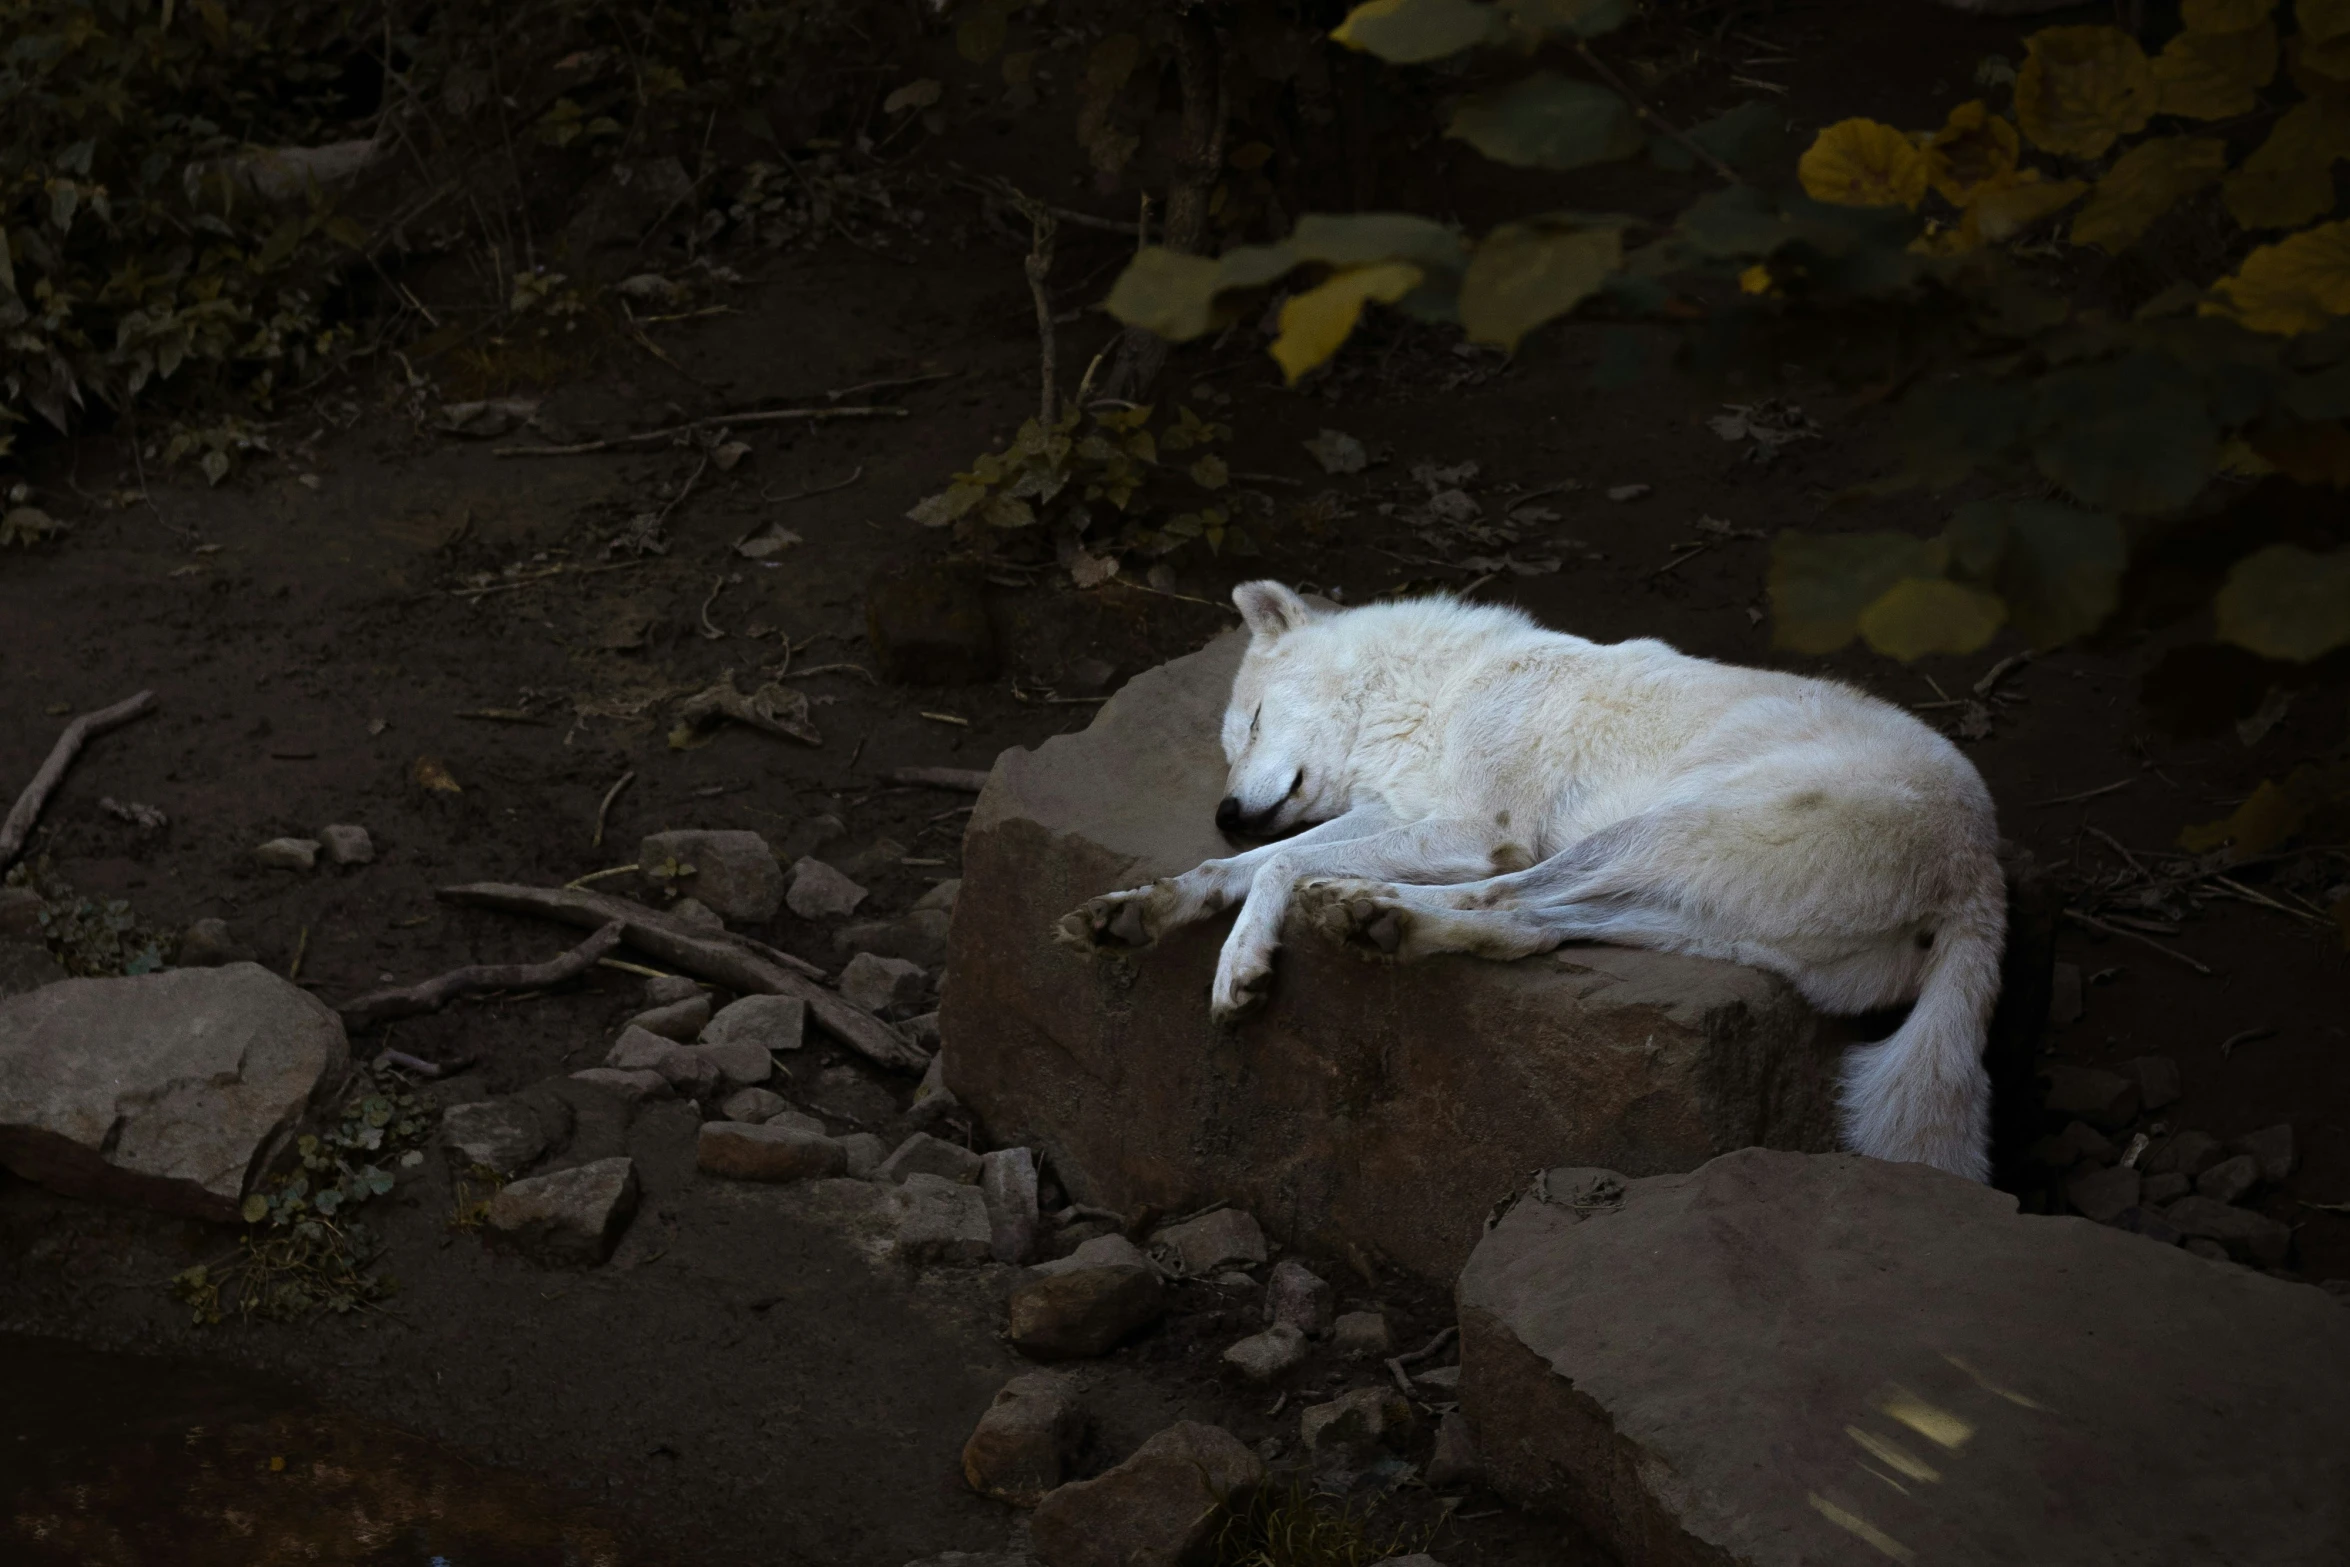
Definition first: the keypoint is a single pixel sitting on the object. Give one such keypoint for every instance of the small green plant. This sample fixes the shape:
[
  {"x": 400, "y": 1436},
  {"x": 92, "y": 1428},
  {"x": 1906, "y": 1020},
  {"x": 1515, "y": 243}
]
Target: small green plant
[
  {"x": 90, "y": 939},
  {"x": 476, "y": 1189},
  {"x": 303, "y": 1252},
  {"x": 1291, "y": 1526}
]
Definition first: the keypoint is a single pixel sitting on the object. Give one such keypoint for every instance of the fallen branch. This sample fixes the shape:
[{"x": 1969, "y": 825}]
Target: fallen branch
[
  {"x": 755, "y": 416},
  {"x": 741, "y": 966},
  {"x": 382, "y": 1006},
  {"x": 79, "y": 733},
  {"x": 970, "y": 780},
  {"x": 2172, "y": 953}
]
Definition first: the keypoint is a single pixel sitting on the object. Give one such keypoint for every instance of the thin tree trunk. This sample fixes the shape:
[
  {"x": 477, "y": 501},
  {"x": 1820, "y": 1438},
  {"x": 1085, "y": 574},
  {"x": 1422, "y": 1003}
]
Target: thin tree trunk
[{"x": 1141, "y": 355}]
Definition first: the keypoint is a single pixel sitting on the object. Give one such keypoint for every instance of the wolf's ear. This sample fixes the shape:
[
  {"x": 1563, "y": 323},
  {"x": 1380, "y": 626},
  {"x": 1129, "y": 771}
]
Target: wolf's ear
[{"x": 1270, "y": 609}]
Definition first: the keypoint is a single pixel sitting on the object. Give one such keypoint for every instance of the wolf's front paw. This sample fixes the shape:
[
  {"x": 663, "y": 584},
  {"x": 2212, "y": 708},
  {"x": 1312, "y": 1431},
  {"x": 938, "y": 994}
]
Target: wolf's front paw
[
  {"x": 1134, "y": 918},
  {"x": 1365, "y": 917},
  {"x": 1242, "y": 981}
]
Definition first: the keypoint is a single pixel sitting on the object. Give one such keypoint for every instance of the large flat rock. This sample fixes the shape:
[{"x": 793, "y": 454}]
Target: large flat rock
[
  {"x": 1829, "y": 1360},
  {"x": 1387, "y": 1106},
  {"x": 169, "y": 1090}
]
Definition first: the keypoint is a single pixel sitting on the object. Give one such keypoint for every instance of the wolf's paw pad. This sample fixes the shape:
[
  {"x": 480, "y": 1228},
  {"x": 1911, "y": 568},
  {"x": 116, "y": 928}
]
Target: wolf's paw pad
[
  {"x": 1360, "y": 915},
  {"x": 1240, "y": 989},
  {"x": 1119, "y": 919}
]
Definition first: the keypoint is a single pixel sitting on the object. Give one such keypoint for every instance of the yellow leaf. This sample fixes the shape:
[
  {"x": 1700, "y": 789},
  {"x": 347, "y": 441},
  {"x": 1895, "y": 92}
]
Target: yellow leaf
[
  {"x": 2274, "y": 813},
  {"x": 1166, "y": 292},
  {"x": 2297, "y": 285},
  {"x": 1922, "y": 615},
  {"x": 1756, "y": 280},
  {"x": 1315, "y": 323},
  {"x": 2224, "y": 16},
  {"x": 1862, "y": 163},
  {"x": 1973, "y": 149},
  {"x": 431, "y": 773},
  {"x": 2000, "y": 214},
  {"x": 2329, "y": 61},
  {"x": 2215, "y": 76},
  {"x": 1409, "y": 32},
  {"x": 2322, "y": 20},
  {"x": 1522, "y": 276},
  {"x": 2143, "y": 184},
  {"x": 2287, "y": 602},
  {"x": 2082, "y": 89},
  {"x": 2288, "y": 180}
]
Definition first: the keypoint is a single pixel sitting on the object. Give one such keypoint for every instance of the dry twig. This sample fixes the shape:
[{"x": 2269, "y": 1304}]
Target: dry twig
[
  {"x": 968, "y": 779},
  {"x": 755, "y": 416},
  {"x": 381, "y": 1006},
  {"x": 79, "y": 733}
]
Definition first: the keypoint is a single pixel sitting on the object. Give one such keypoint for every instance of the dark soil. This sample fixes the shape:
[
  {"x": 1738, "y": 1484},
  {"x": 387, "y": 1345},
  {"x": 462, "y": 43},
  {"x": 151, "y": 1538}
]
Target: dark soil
[{"x": 741, "y": 1384}]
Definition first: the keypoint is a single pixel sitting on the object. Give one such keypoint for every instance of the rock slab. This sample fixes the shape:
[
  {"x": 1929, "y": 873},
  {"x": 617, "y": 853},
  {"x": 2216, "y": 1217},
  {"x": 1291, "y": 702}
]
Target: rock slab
[
  {"x": 1026, "y": 1440},
  {"x": 1390, "y": 1106},
  {"x": 169, "y": 1090},
  {"x": 1160, "y": 1508},
  {"x": 732, "y": 873},
  {"x": 568, "y": 1217},
  {"x": 1831, "y": 1360}
]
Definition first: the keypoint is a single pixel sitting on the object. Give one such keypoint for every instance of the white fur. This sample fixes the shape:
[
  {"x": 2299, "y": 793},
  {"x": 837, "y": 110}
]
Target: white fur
[{"x": 1467, "y": 781}]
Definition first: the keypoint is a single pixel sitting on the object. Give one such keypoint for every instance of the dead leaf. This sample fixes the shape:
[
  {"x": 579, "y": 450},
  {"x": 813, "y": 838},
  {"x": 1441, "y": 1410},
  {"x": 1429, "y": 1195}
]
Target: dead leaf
[
  {"x": 1091, "y": 571},
  {"x": 728, "y": 455},
  {"x": 431, "y": 773},
  {"x": 480, "y": 420},
  {"x": 771, "y": 540},
  {"x": 774, "y": 708},
  {"x": 1627, "y": 492},
  {"x": 1337, "y": 452}
]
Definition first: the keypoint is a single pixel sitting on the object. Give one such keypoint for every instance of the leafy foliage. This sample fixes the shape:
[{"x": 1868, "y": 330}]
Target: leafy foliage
[
  {"x": 90, "y": 939},
  {"x": 1929, "y": 255},
  {"x": 302, "y": 1251},
  {"x": 1293, "y": 1526}
]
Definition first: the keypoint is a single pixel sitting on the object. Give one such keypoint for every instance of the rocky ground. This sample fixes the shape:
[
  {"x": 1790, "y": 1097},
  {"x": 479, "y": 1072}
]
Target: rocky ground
[{"x": 749, "y": 1285}]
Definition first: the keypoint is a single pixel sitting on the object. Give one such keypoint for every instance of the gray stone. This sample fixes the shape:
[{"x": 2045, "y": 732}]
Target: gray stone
[
  {"x": 2078, "y": 1143},
  {"x": 1160, "y": 1508},
  {"x": 878, "y": 984},
  {"x": 1062, "y": 1312},
  {"x": 696, "y": 915},
  {"x": 799, "y": 1120},
  {"x": 932, "y": 1098},
  {"x": 919, "y": 937},
  {"x": 1007, "y": 1179},
  {"x": 2102, "y": 1194},
  {"x": 691, "y": 1073},
  {"x": 346, "y": 845},
  {"x": 639, "y": 1050},
  {"x": 739, "y": 1062},
  {"x": 1454, "y": 1461},
  {"x": 170, "y": 1090},
  {"x": 941, "y": 898},
  {"x": 2189, "y": 1153},
  {"x": 664, "y": 990},
  {"x": 753, "y": 1106},
  {"x": 865, "y": 1153},
  {"x": 500, "y": 1135},
  {"x": 1025, "y": 1443},
  {"x": 1214, "y": 1241},
  {"x": 1299, "y": 1296},
  {"x": 2230, "y": 1180},
  {"x": 923, "y": 1154},
  {"x": 922, "y": 1030},
  {"x": 630, "y": 1084},
  {"x": 1263, "y": 1356},
  {"x": 769, "y": 1022},
  {"x": 818, "y": 892},
  {"x": 1356, "y": 1422},
  {"x": 807, "y": 836},
  {"x": 1098, "y": 1251},
  {"x": 679, "y": 1020},
  {"x": 2248, "y": 1236},
  {"x": 1363, "y": 1333},
  {"x": 731, "y": 873},
  {"x": 1445, "y": 1379},
  {"x": 2208, "y": 1250},
  {"x": 1633, "y": 1365},
  {"x": 942, "y": 1221},
  {"x": 766, "y": 1152},
  {"x": 20, "y": 914},
  {"x": 26, "y": 965},
  {"x": 1349, "y": 1106},
  {"x": 287, "y": 854},
  {"x": 2272, "y": 1148},
  {"x": 567, "y": 1217},
  {"x": 2158, "y": 1081},
  {"x": 2164, "y": 1188},
  {"x": 2106, "y": 1100}
]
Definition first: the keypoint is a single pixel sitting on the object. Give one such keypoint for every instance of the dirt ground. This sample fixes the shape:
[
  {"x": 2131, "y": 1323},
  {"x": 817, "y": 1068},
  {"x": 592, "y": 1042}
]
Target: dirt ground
[{"x": 740, "y": 1384}]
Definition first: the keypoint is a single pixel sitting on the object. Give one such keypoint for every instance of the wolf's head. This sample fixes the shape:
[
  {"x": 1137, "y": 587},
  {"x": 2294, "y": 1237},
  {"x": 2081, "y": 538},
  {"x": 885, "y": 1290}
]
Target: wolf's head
[{"x": 1289, "y": 726}]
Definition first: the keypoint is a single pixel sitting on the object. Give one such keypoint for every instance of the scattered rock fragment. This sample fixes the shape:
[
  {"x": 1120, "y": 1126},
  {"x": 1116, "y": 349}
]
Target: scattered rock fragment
[
  {"x": 923, "y": 1154},
  {"x": 1160, "y": 1508},
  {"x": 2272, "y": 1148},
  {"x": 942, "y": 1221},
  {"x": 2248, "y": 1236},
  {"x": 865, "y": 1153},
  {"x": 731, "y": 872},
  {"x": 695, "y": 915},
  {"x": 2190, "y": 1153},
  {"x": 2103, "y": 1194},
  {"x": 2209, "y": 1250},
  {"x": 1263, "y": 1356},
  {"x": 1069, "y": 1312},
  {"x": 345, "y": 844},
  {"x": 1024, "y": 1444},
  {"x": 798, "y": 1120},
  {"x": 668, "y": 989},
  {"x": 639, "y": 1050},
  {"x": 629, "y": 1084},
  {"x": 568, "y": 1217},
  {"x": 1298, "y": 1296},
  {"x": 1213, "y": 1241},
  {"x": 2230, "y": 1180},
  {"x": 877, "y": 983},
  {"x": 2106, "y": 1100},
  {"x": 768, "y": 1022},
  {"x": 208, "y": 944},
  {"x": 1355, "y": 1422},
  {"x": 502, "y": 1135},
  {"x": 679, "y": 1020},
  {"x": 2158, "y": 1081},
  {"x": 766, "y": 1152},
  {"x": 1007, "y": 1180},
  {"x": 26, "y": 965},
  {"x": 739, "y": 1063},
  {"x": 753, "y": 1106},
  {"x": 2078, "y": 1143},
  {"x": 1454, "y": 1462},
  {"x": 919, "y": 937},
  {"x": 932, "y": 1098},
  {"x": 818, "y": 892},
  {"x": 287, "y": 854},
  {"x": 1363, "y": 1333},
  {"x": 2167, "y": 1187}
]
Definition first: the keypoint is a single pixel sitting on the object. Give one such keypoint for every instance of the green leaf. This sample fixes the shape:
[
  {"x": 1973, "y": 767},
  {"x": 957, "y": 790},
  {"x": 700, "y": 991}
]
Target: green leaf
[
  {"x": 1411, "y": 32},
  {"x": 1547, "y": 121},
  {"x": 1166, "y": 292},
  {"x": 2287, "y": 602},
  {"x": 255, "y": 1209},
  {"x": 1921, "y": 615},
  {"x": 1524, "y": 274},
  {"x": 1747, "y": 137},
  {"x": 1575, "y": 18},
  {"x": 2131, "y": 435},
  {"x": 1820, "y": 584}
]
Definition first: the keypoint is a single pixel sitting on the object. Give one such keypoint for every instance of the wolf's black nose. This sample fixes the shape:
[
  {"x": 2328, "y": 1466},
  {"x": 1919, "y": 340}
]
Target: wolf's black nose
[{"x": 1228, "y": 813}]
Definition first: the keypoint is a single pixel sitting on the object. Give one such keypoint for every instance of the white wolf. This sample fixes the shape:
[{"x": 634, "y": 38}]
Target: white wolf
[{"x": 1470, "y": 782}]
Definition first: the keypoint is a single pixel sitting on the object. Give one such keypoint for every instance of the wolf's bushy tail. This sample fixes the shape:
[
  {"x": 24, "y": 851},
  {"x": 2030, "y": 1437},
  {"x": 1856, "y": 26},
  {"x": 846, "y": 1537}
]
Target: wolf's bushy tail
[{"x": 1923, "y": 1093}]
